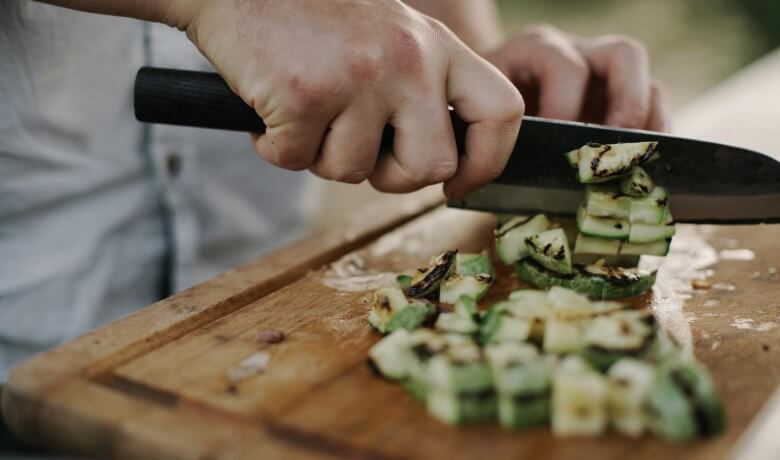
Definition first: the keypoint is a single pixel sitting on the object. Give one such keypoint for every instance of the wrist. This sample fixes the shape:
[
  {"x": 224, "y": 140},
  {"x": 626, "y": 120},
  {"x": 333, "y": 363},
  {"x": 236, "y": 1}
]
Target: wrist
[{"x": 180, "y": 13}]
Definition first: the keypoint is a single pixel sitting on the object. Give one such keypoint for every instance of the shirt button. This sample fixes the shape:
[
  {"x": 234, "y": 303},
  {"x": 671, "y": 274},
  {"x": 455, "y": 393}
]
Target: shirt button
[{"x": 173, "y": 164}]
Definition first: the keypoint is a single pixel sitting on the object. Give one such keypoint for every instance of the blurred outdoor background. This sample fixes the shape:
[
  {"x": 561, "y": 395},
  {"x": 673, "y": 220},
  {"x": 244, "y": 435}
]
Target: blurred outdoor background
[{"x": 693, "y": 44}]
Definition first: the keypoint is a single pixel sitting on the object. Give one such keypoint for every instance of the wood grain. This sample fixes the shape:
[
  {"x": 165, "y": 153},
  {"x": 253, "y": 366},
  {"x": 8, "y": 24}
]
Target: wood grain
[{"x": 317, "y": 398}]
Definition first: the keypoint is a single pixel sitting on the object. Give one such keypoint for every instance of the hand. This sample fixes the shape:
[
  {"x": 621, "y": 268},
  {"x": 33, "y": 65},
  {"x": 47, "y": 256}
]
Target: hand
[
  {"x": 602, "y": 80},
  {"x": 327, "y": 76}
]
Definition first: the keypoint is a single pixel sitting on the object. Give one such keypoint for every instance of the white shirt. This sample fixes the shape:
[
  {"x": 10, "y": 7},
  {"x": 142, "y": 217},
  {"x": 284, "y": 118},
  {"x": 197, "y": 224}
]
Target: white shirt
[{"x": 99, "y": 214}]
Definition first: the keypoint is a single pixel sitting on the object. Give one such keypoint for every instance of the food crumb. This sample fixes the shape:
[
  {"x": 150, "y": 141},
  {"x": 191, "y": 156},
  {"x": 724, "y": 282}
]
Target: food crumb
[
  {"x": 250, "y": 366},
  {"x": 269, "y": 336},
  {"x": 700, "y": 284}
]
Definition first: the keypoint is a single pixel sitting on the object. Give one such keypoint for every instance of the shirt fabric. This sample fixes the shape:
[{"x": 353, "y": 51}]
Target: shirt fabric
[{"x": 99, "y": 214}]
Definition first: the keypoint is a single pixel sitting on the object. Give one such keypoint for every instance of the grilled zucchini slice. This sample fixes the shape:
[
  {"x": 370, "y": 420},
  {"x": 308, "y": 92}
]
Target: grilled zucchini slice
[
  {"x": 594, "y": 281},
  {"x": 595, "y": 245},
  {"x": 659, "y": 248},
  {"x": 605, "y": 200},
  {"x": 551, "y": 250},
  {"x": 648, "y": 233},
  {"x": 637, "y": 183},
  {"x": 603, "y": 162},
  {"x": 602, "y": 227},
  {"x": 510, "y": 237},
  {"x": 427, "y": 279},
  {"x": 652, "y": 209}
]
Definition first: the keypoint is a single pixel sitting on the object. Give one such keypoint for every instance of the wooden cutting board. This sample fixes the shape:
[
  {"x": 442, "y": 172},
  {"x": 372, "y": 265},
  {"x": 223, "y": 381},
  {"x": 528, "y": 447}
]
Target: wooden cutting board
[{"x": 156, "y": 384}]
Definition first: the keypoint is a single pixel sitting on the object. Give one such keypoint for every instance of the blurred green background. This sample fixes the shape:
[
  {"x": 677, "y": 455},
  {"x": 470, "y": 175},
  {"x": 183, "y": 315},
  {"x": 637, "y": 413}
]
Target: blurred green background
[{"x": 693, "y": 44}]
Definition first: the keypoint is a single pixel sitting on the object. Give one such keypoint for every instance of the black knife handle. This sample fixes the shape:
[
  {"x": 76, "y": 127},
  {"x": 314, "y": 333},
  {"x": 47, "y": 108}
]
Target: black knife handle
[{"x": 204, "y": 100}]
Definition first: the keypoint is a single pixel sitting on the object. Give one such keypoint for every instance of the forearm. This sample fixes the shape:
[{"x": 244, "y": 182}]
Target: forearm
[
  {"x": 474, "y": 21},
  {"x": 175, "y": 13}
]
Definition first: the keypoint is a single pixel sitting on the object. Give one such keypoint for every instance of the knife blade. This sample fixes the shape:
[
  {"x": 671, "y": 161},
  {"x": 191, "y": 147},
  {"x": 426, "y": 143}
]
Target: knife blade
[{"x": 708, "y": 182}]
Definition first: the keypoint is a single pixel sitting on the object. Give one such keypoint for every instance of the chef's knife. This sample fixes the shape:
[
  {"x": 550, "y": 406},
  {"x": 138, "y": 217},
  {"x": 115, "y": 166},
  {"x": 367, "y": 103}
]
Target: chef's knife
[{"x": 708, "y": 182}]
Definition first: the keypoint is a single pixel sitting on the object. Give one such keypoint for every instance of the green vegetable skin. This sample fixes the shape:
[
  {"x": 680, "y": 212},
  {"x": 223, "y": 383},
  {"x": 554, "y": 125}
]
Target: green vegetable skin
[
  {"x": 411, "y": 317},
  {"x": 595, "y": 286},
  {"x": 603, "y": 162},
  {"x": 551, "y": 250}
]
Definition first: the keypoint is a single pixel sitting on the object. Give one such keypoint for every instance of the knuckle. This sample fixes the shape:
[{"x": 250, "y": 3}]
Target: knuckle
[
  {"x": 365, "y": 64},
  {"x": 434, "y": 172},
  {"x": 539, "y": 32},
  {"x": 348, "y": 176},
  {"x": 627, "y": 47},
  {"x": 308, "y": 93},
  {"x": 405, "y": 50},
  {"x": 294, "y": 159}
]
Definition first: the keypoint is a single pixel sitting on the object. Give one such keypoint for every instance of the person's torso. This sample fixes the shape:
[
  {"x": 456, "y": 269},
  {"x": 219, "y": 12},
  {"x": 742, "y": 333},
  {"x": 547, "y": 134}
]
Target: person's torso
[{"x": 100, "y": 215}]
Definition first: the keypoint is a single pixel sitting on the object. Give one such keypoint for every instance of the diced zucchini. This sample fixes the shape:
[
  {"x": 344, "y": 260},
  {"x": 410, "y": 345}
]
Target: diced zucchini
[
  {"x": 417, "y": 388},
  {"x": 390, "y": 356},
  {"x": 696, "y": 383},
  {"x": 457, "y": 409},
  {"x": 504, "y": 327},
  {"x": 528, "y": 300},
  {"x": 518, "y": 368},
  {"x": 453, "y": 322},
  {"x": 467, "y": 306},
  {"x": 424, "y": 344},
  {"x": 510, "y": 237},
  {"x": 668, "y": 413},
  {"x": 474, "y": 265},
  {"x": 595, "y": 245},
  {"x": 459, "y": 369},
  {"x": 601, "y": 359},
  {"x": 411, "y": 317},
  {"x": 602, "y": 227},
  {"x": 568, "y": 304},
  {"x": 563, "y": 336},
  {"x": 651, "y": 209},
  {"x": 599, "y": 163},
  {"x": 523, "y": 411},
  {"x": 387, "y": 302},
  {"x": 455, "y": 286},
  {"x": 605, "y": 200},
  {"x": 551, "y": 250},
  {"x": 647, "y": 233},
  {"x": 573, "y": 158},
  {"x": 622, "y": 331},
  {"x": 637, "y": 183},
  {"x": 659, "y": 248},
  {"x": 427, "y": 279},
  {"x": 629, "y": 385},
  {"x": 403, "y": 281},
  {"x": 578, "y": 401}
]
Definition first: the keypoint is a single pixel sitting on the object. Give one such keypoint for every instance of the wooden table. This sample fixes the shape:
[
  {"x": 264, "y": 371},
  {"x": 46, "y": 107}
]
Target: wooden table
[{"x": 156, "y": 385}]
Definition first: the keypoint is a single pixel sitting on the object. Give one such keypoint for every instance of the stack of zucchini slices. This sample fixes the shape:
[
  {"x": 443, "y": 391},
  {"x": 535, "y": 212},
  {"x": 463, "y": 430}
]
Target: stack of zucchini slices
[
  {"x": 537, "y": 358},
  {"x": 624, "y": 215}
]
